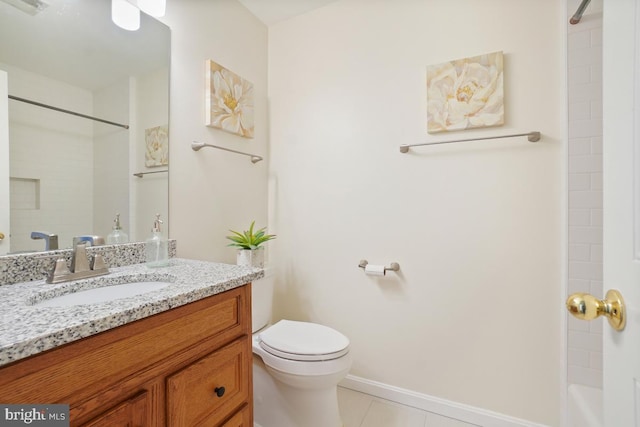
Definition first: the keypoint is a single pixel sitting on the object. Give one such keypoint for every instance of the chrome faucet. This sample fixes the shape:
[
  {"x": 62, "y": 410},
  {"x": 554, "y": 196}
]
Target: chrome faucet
[
  {"x": 81, "y": 268},
  {"x": 50, "y": 239}
]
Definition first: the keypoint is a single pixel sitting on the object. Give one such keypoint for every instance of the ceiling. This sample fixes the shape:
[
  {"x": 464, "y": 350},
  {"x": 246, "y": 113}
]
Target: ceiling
[
  {"x": 76, "y": 42},
  {"x": 50, "y": 41},
  {"x": 273, "y": 11}
]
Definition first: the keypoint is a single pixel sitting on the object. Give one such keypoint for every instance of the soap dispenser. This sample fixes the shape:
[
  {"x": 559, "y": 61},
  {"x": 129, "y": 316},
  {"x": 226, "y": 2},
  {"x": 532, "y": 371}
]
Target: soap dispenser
[
  {"x": 157, "y": 246},
  {"x": 117, "y": 235}
]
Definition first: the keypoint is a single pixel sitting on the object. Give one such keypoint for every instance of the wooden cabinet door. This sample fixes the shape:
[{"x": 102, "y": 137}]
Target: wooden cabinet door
[
  {"x": 133, "y": 412},
  {"x": 240, "y": 419},
  {"x": 211, "y": 389}
]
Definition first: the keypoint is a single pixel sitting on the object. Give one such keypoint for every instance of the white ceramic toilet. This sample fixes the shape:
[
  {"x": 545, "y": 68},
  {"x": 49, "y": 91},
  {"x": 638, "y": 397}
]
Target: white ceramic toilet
[{"x": 296, "y": 366}]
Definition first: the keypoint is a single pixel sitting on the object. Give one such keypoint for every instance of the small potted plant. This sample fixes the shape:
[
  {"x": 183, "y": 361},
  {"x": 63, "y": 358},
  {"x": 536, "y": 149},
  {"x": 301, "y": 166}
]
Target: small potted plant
[{"x": 248, "y": 243}]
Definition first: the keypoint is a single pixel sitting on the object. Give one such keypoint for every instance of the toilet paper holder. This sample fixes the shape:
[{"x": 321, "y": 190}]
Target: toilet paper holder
[{"x": 394, "y": 266}]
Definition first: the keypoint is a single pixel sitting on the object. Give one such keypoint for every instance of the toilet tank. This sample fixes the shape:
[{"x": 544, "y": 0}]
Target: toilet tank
[{"x": 262, "y": 299}]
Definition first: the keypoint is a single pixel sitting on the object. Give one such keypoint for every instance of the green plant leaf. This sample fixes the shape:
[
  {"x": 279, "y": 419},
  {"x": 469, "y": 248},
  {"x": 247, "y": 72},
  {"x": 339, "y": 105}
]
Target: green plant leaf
[{"x": 249, "y": 239}]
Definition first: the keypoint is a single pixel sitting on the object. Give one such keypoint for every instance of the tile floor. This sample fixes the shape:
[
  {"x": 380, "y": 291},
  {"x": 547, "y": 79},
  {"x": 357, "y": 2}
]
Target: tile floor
[{"x": 362, "y": 410}]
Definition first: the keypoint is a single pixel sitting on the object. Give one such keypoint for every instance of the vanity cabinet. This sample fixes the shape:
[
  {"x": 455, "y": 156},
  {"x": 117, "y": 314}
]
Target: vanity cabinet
[{"x": 187, "y": 366}]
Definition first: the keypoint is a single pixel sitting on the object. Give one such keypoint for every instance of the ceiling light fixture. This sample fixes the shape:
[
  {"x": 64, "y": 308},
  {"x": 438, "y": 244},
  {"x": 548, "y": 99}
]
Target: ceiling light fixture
[{"x": 126, "y": 13}]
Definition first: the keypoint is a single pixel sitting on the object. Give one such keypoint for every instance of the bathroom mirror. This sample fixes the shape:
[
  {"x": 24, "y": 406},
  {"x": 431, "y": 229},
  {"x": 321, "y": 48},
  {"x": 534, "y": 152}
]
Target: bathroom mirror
[{"x": 69, "y": 175}]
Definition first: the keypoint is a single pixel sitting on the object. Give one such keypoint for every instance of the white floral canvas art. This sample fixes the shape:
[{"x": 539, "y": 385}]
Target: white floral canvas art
[
  {"x": 229, "y": 101},
  {"x": 157, "y": 146},
  {"x": 466, "y": 93}
]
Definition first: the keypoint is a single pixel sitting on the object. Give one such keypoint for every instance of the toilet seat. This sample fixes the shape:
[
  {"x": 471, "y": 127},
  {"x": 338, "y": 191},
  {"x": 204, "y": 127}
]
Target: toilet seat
[{"x": 303, "y": 341}]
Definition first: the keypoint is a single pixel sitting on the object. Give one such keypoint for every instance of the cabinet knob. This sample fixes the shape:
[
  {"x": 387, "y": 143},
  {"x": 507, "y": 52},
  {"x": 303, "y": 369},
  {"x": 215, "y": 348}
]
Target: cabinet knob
[{"x": 219, "y": 391}]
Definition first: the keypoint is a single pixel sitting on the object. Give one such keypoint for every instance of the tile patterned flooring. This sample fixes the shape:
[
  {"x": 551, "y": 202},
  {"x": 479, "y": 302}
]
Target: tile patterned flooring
[{"x": 362, "y": 410}]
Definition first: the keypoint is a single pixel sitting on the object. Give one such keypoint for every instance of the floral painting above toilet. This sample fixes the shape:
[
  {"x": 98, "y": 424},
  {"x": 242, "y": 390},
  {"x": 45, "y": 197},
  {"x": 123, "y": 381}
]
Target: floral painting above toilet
[
  {"x": 466, "y": 93},
  {"x": 229, "y": 101}
]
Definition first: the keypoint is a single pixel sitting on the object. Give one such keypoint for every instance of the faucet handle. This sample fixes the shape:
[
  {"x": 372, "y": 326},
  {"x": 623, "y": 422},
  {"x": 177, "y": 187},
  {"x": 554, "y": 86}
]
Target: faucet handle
[
  {"x": 59, "y": 272},
  {"x": 92, "y": 240},
  {"x": 98, "y": 263},
  {"x": 50, "y": 239},
  {"x": 80, "y": 260}
]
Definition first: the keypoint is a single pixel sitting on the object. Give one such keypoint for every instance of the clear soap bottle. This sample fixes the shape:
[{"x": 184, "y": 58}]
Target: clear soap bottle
[
  {"x": 157, "y": 246},
  {"x": 117, "y": 235}
]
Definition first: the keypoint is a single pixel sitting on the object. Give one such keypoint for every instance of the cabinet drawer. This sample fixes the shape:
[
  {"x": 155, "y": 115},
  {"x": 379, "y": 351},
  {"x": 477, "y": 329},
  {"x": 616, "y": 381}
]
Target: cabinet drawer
[{"x": 210, "y": 389}]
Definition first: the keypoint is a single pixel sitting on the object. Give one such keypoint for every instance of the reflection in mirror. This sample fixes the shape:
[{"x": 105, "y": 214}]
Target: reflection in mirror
[{"x": 70, "y": 175}]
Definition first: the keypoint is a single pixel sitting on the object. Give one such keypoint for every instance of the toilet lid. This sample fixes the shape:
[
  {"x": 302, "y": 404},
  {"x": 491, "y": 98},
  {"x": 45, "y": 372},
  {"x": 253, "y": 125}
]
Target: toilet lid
[{"x": 303, "y": 341}]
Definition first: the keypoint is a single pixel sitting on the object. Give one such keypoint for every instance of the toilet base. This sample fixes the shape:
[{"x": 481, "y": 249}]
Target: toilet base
[{"x": 276, "y": 404}]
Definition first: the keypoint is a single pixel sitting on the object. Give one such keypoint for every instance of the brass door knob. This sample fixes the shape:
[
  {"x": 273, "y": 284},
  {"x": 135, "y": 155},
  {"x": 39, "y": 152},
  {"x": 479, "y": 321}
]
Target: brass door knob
[
  {"x": 588, "y": 307},
  {"x": 1, "y": 235}
]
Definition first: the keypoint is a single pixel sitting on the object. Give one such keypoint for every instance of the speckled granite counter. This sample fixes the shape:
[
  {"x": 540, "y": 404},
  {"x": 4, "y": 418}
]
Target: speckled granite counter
[
  {"x": 27, "y": 329},
  {"x": 25, "y": 267}
]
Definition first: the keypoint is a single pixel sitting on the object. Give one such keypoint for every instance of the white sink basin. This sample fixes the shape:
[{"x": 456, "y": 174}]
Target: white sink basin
[{"x": 103, "y": 294}]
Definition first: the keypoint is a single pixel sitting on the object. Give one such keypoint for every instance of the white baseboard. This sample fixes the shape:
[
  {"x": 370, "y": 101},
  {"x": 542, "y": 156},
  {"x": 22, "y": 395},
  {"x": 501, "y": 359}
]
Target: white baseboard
[{"x": 446, "y": 408}]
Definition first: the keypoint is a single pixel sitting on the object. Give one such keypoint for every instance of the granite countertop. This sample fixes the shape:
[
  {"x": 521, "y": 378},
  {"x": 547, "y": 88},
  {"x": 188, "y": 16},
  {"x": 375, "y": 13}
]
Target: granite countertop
[{"x": 27, "y": 329}]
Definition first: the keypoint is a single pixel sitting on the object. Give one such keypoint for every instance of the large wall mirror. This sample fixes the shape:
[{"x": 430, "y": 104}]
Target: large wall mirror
[{"x": 67, "y": 174}]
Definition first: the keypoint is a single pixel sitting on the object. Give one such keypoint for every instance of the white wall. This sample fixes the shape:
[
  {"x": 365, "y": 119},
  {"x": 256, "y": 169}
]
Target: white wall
[
  {"x": 111, "y": 158},
  {"x": 211, "y": 191},
  {"x": 121, "y": 153},
  {"x": 71, "y": 175},
  {"x": 584, "y": 80},
  {"x": 149, "y": 194},
  {"x": 474, "y": 314},
  {"x": 5, "y": 242},
  {"x": 49, "y": 152}
]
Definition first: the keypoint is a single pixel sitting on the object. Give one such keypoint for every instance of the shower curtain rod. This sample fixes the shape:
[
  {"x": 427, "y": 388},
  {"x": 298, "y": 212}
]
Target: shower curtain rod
[
  {"x": 578, "y": 15},
  {"x": 50, "y": 107},
  {"x": 531, "y": 137}
]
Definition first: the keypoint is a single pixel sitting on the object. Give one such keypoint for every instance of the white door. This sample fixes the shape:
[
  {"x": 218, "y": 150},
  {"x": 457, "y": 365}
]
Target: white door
[
  {"x": 621, "y": 145},
  {"x": 4, "y": 164}
]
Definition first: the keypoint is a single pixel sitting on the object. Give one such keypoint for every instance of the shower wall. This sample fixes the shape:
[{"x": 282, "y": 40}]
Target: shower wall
[{"x": 584, "y": 80}]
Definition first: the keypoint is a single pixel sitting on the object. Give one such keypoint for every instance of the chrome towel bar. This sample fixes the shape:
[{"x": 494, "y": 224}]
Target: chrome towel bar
[
  {"x": 195, "y": 146},
  {"x": 531, "y": 136},
  {"x": 141, "y": 174},
  {"x": 578, "y": 15}
]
